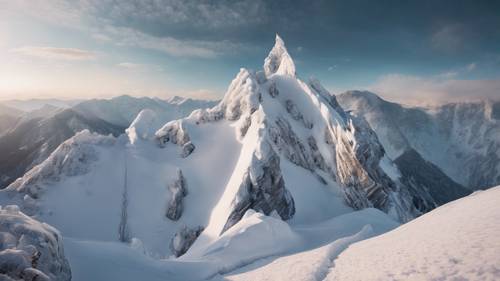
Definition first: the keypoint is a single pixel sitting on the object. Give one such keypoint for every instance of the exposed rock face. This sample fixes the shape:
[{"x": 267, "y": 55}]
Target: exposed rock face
[
  {"x": 288, "y": 143},
  {"x": 175, "y": 133},
  {"x": 178, "y": 191},
  {"x": 30, "y": 250},
  {"x": 183, "y": 239},
  {"x": 262, "y": 189}
]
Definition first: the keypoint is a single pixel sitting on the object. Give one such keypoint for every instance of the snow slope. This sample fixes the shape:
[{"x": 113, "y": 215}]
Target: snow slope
[{"x": 457, "y": 241}]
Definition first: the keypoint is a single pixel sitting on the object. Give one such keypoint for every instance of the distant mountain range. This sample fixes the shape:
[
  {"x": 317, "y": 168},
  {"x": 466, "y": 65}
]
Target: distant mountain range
[
  {"x": 28, "y": 138},
  {"x": 462, "y": 139}
]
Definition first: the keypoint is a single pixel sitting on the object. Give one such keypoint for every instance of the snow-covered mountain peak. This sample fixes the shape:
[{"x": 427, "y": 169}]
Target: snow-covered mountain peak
[
  {"x": 279, "y": 61},
  {"x": 274, "y": 144}
]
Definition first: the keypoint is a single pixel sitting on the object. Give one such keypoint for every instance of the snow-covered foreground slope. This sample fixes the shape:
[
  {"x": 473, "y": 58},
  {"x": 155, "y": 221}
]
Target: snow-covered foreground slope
[
  {"x": 458, "y": 241},
  {"x": 462, "y": 139}
]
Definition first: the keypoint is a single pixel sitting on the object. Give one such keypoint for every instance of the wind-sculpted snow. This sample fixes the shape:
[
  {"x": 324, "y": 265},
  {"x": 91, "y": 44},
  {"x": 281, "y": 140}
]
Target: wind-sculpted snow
[
  {"x": 30, "y": 250},
  {"x": 143, "y": 126}
]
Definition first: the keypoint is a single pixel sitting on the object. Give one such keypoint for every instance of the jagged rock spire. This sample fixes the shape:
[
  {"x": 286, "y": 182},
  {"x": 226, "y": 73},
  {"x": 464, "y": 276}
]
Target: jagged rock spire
[{"x": 279, "y": 61}]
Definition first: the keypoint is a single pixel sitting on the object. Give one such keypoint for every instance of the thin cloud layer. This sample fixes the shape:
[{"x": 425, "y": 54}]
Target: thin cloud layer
[
  {"x": 416, "y": 90},
  {"x": 71, "y": 54}
]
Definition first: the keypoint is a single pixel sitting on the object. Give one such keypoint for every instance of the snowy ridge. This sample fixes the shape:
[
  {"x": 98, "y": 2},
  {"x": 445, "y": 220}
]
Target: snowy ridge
[{"x": 71, "y": 158}]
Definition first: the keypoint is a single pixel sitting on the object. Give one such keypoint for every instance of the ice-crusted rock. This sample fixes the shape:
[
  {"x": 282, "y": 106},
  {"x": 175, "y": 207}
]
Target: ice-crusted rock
[
  {"x": 289, "y": 144},
  {"x": 172, "y": 132},
  {"x": 262, "y": 188},
  {"x": 279, "y": 61},
  {"x": 175, "y": 133},
  {"x": 187, "y": 149},
  {"x": 30, "y": 250},
  {"x": 73, "y": 157},
  {"x": 183, "y": 239},
  {"x": 178, "y": 191}
]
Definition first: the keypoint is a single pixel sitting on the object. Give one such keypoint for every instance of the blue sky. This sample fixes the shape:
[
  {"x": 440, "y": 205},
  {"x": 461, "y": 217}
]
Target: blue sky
[{"x": 410, "y": 51}]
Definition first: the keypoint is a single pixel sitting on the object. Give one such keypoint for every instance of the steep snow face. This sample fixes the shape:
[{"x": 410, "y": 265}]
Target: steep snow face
[
  {"x": 456, "y": 241},
  {"x": 463, "y": 140},
  {"x": 30, "y": 250}
]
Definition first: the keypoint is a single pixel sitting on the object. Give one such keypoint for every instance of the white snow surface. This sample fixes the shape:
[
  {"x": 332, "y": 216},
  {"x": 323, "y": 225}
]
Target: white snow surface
[{"x": 457, "y": 241}]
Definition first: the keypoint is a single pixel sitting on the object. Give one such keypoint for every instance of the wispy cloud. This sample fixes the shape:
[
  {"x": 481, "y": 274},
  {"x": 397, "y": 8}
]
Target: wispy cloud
[
  {"x": 43, "y": 52},
  {"x": 130, "y": 65},
  {"x": 204, "y": 94},
  {"x": 175, "y": 47},
  {"x": 434, "y": 90},
  {"x": 102, "y": 20}
]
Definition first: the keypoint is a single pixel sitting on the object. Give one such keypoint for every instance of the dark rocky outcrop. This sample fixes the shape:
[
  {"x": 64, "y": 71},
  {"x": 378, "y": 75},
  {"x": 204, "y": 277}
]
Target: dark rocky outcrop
[
  {"x": 262, "y": 189},
  {"x": 429, "y": 186},
  {"x": 178, "y": 191},
  {"x": 183, "y": 239}
]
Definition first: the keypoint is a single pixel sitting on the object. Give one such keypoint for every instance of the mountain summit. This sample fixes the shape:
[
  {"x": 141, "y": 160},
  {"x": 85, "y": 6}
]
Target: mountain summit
[{"x": 279, "y": 61}]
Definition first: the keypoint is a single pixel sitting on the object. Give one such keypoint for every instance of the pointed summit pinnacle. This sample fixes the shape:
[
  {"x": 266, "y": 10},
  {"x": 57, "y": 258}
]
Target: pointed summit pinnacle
[{"x": 279, "y": 61}]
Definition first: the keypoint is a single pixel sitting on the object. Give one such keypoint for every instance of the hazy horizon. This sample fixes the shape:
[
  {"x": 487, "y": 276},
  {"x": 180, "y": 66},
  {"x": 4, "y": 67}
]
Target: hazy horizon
[{"x": 423, "y": 52}]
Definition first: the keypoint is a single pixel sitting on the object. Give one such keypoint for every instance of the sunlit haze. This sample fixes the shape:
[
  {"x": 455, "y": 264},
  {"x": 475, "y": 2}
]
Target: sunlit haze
[{"x": 421, "y": 52}]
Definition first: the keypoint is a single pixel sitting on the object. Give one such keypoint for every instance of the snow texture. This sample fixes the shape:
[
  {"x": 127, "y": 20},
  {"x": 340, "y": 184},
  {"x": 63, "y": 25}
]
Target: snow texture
[
  {"x": 457, "y": 241},
  {"x": 30, "y": 250}
]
